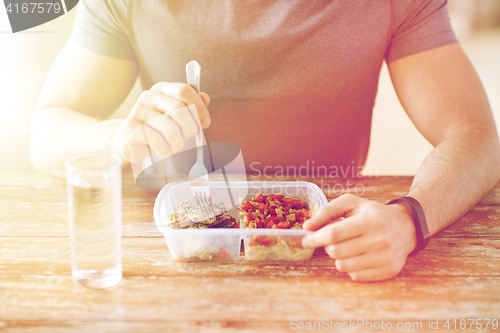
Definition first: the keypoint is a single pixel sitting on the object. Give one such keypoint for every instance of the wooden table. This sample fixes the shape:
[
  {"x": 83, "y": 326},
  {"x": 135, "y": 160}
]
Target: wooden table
[{"x": 456, "y": 277}]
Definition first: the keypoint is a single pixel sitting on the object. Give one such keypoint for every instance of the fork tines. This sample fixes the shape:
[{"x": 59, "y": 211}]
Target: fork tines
[{"x": 204, "y": 202}]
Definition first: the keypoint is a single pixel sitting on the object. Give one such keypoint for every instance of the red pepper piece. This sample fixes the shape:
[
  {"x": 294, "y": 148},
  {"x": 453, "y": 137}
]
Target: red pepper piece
[
  {"x": 278, "y": 197},
  {"x": 259, "y": 198},
  {"x": 291, "y": 201},
  {"x": 272, "y": 219},
  {"x": 283, "y": 225}
]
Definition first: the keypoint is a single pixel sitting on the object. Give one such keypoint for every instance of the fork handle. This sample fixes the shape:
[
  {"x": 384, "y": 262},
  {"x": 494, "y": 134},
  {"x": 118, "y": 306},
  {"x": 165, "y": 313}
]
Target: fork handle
[
  {"x": 199, "y": 147},
  {"x": 193, "y": 71}
]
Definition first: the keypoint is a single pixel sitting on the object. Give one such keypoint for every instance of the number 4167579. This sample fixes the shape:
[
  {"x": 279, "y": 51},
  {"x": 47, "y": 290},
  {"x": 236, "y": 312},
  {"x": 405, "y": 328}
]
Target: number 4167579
[
  {"x": 40, "y": 8},
  {"x": 471, "y": 324}
]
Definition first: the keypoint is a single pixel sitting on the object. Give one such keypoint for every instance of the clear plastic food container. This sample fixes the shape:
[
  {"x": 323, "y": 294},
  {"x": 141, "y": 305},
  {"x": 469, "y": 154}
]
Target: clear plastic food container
[
  {"x": 199, "y": 244},
  {"x": 213, "y": 244}
]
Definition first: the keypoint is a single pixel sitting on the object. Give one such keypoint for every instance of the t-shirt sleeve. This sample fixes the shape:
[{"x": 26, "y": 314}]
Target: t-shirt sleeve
[
  {"x": 101, "y": 26},
  {"x": 417, "y": 26}
]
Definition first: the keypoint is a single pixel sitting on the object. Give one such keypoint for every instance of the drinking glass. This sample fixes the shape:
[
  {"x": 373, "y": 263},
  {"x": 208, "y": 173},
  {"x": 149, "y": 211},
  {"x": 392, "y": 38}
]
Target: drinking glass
[{"x": 94, "y": 186}]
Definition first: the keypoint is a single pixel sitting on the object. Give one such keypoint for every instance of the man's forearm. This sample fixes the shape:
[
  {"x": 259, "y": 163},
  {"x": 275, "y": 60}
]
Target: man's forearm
[
  {"x": 456, "y": 175},
  {"x": 59, "y": 133}
]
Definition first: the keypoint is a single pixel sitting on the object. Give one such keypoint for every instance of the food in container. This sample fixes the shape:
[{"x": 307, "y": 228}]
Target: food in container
[
  {"x": 276, "y": 211},
  {"x": 188, "y": 216},
  {"x": 279, "y": 247}
]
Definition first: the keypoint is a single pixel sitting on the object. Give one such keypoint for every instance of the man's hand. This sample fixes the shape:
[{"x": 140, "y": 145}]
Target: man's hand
[
  {"x": 372, "y": 241},
  {"x": 163, "y": 120}
]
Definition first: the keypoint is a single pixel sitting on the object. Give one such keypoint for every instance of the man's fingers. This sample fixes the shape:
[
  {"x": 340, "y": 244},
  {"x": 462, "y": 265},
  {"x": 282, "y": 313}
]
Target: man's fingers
[
  {"x": 170, "y": 130},
  {"x": 333, "y": 210},
  {"x": 206, "y": 98},
  {"x": 162, "y": 119},
  {"x": 169, "y": 117},
  {"x": 185, "y": 120},
  {"x": 337, "y": 232},
  {"x": 361, "y": 262},
  {"x": 375, "y": 274},
  {"x": 155, "y": 102},
  {"x": 159, "y": 126},
  {"x": 173, "y": 133},
  {"x": 187, "y": 95},
  {"x": 149, "y": 136},
  {"x": 356, "y": 246}
]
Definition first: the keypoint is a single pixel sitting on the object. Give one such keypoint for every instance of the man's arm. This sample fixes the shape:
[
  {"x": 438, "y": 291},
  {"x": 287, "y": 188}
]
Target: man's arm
[
  {"x": 443, "y": 96},
  {"x": 84, "y": 88}
]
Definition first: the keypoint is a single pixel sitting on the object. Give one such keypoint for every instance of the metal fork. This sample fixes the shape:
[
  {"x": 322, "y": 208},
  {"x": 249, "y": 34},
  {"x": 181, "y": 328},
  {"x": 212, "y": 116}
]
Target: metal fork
[
  {"x": 198, "y": 175},
  {"x": 205, "y": 203}
]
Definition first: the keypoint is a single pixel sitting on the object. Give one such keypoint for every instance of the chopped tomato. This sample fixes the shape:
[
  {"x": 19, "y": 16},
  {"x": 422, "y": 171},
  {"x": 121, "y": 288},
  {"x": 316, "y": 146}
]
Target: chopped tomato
[
  {"x": 246, "y": 207},
  {"x": 259, "y": 198},
  {"x": 270, "y": 211},
  {"x": 271, "y": 219},
  {"x": 283, "y": 225},
  {"x": 290, "y": 201},
  {"x": 277, "y": 197}
]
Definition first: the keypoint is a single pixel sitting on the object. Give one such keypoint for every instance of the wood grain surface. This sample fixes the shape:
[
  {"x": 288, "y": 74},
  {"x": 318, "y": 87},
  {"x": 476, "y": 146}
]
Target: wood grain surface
[{"x": 456, "y": 277}]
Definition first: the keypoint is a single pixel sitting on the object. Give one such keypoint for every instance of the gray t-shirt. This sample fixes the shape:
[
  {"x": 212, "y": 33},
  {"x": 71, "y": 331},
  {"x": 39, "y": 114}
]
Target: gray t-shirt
[{"x": 293, "y": 83}]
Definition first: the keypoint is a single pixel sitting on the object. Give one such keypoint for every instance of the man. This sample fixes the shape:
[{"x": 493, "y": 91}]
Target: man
[{"x": 290, "y": 82}]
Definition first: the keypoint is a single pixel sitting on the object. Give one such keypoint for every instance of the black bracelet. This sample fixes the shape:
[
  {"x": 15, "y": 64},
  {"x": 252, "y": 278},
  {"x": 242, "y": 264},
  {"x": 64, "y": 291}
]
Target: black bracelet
[{"x": 419, "y": 221}]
